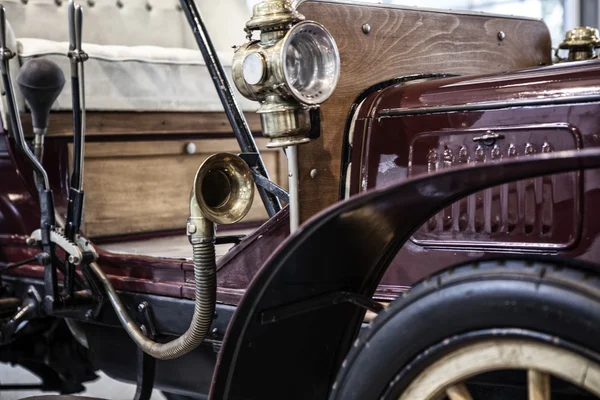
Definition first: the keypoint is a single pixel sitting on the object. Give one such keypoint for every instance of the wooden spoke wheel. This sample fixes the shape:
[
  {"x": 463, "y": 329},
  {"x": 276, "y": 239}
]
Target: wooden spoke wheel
[
  {"x": 541, "y": 361},
  {"x": 503, "y": 329}
]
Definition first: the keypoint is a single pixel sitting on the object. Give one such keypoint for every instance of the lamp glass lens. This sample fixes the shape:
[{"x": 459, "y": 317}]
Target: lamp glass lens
[
  {"x": 311, "y": 63},
  {"x": 253, "y": 68}
]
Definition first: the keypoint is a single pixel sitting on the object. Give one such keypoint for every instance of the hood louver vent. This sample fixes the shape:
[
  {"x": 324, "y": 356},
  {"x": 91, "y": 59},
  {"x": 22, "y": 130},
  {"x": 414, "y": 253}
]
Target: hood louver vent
[{"x": 540, "y": 212}]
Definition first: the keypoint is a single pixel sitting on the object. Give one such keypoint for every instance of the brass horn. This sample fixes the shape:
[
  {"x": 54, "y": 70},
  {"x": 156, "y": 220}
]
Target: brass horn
[{"x": 223, "y": 192}]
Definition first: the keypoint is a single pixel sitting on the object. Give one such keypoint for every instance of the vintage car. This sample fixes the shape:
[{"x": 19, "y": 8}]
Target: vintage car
[{"x": 435, "y": 238}]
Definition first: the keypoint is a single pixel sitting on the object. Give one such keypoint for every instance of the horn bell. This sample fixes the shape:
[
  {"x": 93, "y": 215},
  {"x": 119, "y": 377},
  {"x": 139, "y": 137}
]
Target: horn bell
[{"x": 224, "y": 188}]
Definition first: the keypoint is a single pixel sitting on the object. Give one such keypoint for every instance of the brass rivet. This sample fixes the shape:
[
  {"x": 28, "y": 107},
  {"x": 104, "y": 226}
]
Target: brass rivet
[
  {"x": 366, "y": 28},
  {"x": 501, "y": 35},
  {"x": 191, "y": 228},
  {"x": 314, "y": 173}
]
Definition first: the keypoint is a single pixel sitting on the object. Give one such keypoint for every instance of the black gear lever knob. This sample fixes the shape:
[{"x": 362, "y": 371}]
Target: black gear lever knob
[{"x": 41, "y": 81}]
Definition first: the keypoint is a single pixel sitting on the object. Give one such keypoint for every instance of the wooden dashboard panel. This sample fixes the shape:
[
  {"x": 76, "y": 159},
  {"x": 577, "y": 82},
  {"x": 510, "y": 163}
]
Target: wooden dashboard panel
[
  {"x": 403, "y": 41},
  {"x": 111, "y": 123},
  {"x": 138, "y": 174},
  {"x": 144, "y": 186}
]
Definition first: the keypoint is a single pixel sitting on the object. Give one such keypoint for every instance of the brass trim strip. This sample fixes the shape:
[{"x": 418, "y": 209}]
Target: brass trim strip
[{"x": 492, "y": 105}]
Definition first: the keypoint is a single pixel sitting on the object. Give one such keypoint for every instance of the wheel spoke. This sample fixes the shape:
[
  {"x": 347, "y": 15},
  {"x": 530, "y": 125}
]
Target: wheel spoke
[
  {"x": 538, "y": 385},
  {"x": 458, "y": 392}
]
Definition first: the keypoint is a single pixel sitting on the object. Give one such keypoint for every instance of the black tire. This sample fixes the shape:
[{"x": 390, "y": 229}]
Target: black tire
[{"x": 552, "y": 297}]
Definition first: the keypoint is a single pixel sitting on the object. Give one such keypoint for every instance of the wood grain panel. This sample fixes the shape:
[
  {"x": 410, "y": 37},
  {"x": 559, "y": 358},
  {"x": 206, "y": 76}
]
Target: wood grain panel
[
  {"x": 143, "y": 123},
  {"x": 403, "y": 41},
  {"x": 144, "y": 186}
]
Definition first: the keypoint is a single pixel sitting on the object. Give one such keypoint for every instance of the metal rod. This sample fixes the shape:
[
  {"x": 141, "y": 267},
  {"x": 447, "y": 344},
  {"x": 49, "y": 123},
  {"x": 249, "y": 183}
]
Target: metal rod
[
  {"x": 33, "y": 386},
  {"x": 146, "y": 364},
  {"x": 38, "y": 142},
  {"x": 270, "y": 186},
  {"x": 146, "y": 370},
  {"x": 292, "y": 156},
  {"x": 8, "y": 266},
  {"x": 232, "y": 110}
]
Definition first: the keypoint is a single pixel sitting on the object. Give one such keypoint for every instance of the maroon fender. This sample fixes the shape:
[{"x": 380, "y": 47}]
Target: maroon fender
[{"x": 295, "y": 317}]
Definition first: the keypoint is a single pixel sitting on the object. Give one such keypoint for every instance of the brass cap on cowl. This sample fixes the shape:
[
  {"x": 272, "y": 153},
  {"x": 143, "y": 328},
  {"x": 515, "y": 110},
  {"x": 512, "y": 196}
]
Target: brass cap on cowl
[
  {"x": 582, "y": 36},
  {"x": 273, "y": 13}
]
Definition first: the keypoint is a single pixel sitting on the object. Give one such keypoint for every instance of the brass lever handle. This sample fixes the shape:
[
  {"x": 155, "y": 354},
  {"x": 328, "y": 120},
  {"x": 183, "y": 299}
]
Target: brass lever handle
[
  {"x": 78, "y": 28},
  {"x": 488, "y": 138}
]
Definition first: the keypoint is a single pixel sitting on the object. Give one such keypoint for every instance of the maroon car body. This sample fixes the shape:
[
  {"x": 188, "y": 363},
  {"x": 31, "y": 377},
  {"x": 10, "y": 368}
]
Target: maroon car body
[
  {"x": 400, "y": 131},
  {"x": 426, "y": 126}
]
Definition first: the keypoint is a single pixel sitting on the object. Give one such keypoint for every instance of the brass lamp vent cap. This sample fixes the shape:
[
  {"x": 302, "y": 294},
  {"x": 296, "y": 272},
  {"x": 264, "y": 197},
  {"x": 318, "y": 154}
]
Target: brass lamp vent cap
[
  {"x": 272, "y": 13},
  {"x": 582, "y": 36}
]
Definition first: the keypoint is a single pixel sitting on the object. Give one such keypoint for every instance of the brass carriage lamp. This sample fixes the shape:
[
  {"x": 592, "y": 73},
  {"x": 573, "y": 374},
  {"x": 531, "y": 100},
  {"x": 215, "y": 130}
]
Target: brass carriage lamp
[{"x": 294, "y": 66}]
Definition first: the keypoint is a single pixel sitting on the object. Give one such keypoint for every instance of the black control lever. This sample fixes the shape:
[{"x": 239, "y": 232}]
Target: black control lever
[
  {"x": 43, "y": 185},
  {"x": 234, "y": 114},
  {"x": 77, "y": 57},
  {"x": 13, "y": 110},
  {"x": 76, "y": 194},
  {"x": 41, "y": 81}
]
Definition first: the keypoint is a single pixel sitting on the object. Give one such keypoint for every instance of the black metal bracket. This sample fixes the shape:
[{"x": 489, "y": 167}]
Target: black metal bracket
[
  {"x": 73, "y": 224},
  {"x": 146, "y": 364},
  {"x": 96, "y": 289},
  {"x": 30, "y": 308},
  {"x": 225, "y": 239},
  {"x": 315, "y": 123},
  {"x": 251, "y": 159},
  {"x": 145, "y": 316},
  {"x": 78, "y": 55},
  {"x": 315, "y": 303}
]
